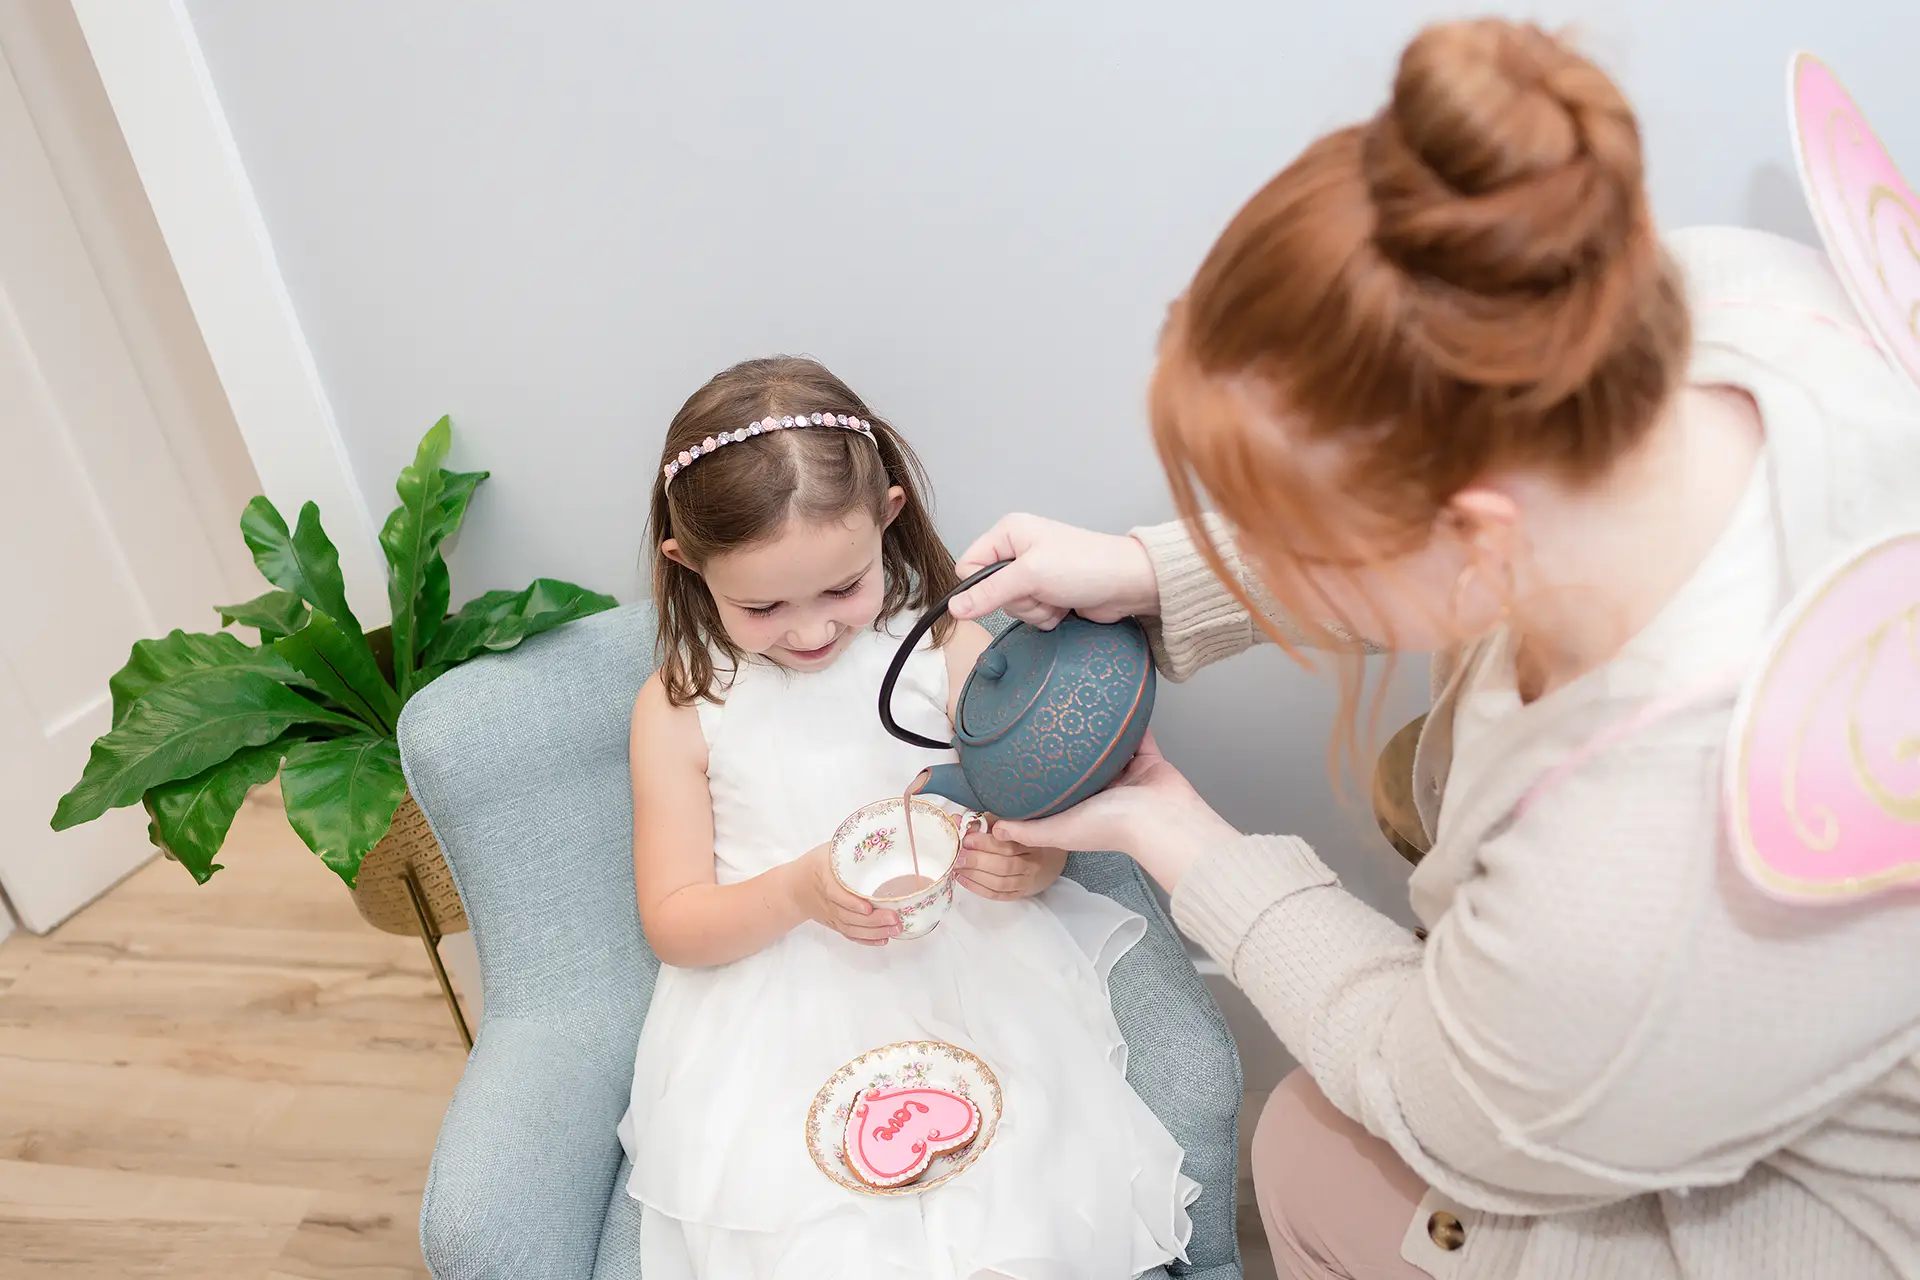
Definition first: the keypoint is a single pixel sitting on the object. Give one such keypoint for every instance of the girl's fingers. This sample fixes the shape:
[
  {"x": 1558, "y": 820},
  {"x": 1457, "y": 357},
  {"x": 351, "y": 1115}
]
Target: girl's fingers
[
  {"x": 998, "y": 865},
  {"x": 990, "y": 883},
  {"x": 987, "y": 890},
  {"x": 852, "y": 904},
  {"x": 879, "y": 921},
  {"x": 982, "y": 840}
]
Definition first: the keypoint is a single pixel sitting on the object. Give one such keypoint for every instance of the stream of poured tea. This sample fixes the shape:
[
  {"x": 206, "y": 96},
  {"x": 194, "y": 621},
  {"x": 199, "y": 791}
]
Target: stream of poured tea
[{"x": 901, "y": 886}]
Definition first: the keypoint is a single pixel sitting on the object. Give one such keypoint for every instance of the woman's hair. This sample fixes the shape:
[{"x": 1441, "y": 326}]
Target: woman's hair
[
  {"x": 748, "y": 493},
  {"x": 1467, "y": 283}
]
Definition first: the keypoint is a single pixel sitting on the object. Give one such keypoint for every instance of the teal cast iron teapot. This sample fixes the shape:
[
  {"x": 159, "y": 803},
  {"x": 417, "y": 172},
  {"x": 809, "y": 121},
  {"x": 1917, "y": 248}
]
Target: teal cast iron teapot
[{"x": 1046, "y": 718}]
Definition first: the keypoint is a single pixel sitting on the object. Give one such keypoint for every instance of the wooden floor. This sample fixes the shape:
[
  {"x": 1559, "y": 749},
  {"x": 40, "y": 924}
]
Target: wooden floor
[{"x": 240, "y": 1080}]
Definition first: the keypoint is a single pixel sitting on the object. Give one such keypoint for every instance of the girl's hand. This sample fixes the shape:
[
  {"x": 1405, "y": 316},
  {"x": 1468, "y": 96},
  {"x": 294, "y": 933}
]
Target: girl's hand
[
  {"x": 820, "y": 897},
  {"x": 1005, "y": 871},
  {"x": 1057, "y": 568},
  {"x": 1150, "y": 812}
]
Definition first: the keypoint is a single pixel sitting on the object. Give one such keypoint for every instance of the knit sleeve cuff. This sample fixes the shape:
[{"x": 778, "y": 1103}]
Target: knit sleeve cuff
[
  {"x": 1200, "y": 622},
  {"x": 1223, "y": 896}
]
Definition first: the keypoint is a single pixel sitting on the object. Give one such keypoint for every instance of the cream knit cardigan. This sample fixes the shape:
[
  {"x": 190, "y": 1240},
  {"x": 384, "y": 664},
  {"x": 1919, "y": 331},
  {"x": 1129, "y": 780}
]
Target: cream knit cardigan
[{"x": 1613, "y": 1059}]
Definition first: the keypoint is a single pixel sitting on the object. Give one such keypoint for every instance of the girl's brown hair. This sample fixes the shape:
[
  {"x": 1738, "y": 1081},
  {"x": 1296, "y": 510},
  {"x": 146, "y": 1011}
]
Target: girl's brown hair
[
  {"x": 1466, "y": 283},
  {"x": 747, "y": 493}
]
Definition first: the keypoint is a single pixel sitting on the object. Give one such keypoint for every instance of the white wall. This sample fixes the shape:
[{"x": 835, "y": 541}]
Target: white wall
[{"x": 554, "y": 220}]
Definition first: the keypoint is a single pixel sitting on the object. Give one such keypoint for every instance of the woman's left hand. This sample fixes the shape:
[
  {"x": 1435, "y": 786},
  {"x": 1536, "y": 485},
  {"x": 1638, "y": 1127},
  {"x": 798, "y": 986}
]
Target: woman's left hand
[
  {"x": 1151, "y": 812},
  {"x": 1004, "y": 870}
]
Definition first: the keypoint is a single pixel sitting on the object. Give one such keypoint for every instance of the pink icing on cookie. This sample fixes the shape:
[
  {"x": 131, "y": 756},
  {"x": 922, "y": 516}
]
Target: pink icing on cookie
[{"x": 892, "y": 1135}]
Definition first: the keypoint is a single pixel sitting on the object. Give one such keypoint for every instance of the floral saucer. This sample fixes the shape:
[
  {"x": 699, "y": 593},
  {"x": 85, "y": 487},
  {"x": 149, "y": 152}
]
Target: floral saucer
[{"x": 917, "y": 1062}]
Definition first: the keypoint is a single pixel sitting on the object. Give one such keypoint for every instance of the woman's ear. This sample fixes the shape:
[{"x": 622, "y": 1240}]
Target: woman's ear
[
  {"x": 1484, "y": 520},
  {"x": 896, "y": 503},
  {"x": 671, "y": 550}
]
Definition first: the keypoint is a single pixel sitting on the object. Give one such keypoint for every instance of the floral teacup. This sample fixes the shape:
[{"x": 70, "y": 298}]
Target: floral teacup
[{"x": 871, "y": 859}]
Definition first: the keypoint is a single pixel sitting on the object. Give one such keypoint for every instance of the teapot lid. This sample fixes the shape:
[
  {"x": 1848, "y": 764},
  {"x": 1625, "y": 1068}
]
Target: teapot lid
[{"x": 1006, "y": 680}]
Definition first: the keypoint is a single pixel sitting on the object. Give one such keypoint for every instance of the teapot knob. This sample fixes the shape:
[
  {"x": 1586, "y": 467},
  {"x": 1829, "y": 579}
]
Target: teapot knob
[{"x": 992, "y": 665}]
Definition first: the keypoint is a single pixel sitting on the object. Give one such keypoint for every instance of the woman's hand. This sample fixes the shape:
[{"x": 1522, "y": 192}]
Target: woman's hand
[
  {"x": 1057, "y": 568},
  {"x": 1005, "y": 871},
  {"x": 820, "y": 897},
  {"x": 1150, "y": 813}
]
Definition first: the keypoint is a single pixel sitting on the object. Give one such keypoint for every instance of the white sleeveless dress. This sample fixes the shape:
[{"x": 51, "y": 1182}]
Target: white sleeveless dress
[{"x": 1082, "y": 1181}]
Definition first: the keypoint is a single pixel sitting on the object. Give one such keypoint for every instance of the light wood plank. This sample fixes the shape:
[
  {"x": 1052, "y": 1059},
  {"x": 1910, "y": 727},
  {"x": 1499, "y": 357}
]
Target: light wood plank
[
  {"x": 60, "y": 1221},
  {"x": 240, "y": 1079},
  {"x": 355, "y": 1236}
]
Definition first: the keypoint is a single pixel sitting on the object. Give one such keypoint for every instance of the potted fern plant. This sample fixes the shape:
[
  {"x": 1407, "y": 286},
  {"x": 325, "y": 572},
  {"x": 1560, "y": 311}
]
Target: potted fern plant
[{"x": 199, "y": 720}]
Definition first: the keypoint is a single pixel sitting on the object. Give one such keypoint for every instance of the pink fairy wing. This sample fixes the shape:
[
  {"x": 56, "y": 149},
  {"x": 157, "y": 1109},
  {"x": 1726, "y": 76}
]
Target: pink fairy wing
[
  {"x": 1823, "y": 765},
  {"x": 1869, "y": 217}
]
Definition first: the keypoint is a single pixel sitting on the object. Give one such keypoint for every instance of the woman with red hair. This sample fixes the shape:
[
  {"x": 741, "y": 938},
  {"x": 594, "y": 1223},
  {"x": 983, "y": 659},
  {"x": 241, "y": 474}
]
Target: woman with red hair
[{"x": 1448, "y": 392}]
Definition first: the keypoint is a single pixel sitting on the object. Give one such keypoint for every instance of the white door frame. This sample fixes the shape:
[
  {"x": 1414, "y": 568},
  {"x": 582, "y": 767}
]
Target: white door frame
[{"x": 151, "y": 66}]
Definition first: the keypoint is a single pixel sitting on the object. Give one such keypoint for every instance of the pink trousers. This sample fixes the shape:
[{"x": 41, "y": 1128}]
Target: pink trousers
[{"x": 1335, "y": 1200}]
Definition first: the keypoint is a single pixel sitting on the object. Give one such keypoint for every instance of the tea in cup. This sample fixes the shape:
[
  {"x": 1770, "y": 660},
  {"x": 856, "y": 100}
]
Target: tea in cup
[{"x": 873, "y": 859}]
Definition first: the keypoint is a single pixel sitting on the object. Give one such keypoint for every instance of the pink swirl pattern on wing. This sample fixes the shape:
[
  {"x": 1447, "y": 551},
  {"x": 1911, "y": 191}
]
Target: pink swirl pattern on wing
[
  {"x": 1825, "y": 767},
  {"x": 1868, "y": 214}
]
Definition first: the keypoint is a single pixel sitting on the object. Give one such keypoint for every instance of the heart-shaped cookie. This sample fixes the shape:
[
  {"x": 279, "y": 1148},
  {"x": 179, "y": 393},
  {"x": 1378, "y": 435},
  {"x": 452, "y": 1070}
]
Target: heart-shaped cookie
[{"x": 893, "y": 1134}]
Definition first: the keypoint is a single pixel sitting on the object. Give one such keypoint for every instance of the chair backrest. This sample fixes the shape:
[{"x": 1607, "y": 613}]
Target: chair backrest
[{"x": 519, "y": 760}]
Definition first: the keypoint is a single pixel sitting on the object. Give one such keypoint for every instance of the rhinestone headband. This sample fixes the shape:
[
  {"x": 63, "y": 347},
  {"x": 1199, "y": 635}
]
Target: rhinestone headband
[{"x": 687, "y": 458}]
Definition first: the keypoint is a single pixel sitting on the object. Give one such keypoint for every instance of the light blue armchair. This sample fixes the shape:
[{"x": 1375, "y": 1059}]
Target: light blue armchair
[{"x": 520, "y": 763}]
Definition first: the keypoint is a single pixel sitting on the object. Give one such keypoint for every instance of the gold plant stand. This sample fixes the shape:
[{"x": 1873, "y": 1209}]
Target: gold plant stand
[{"x": 404, "y": 887}]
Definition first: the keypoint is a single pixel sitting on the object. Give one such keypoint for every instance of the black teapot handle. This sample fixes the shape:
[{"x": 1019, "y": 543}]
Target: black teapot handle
[{"x": 927, "y": 622}]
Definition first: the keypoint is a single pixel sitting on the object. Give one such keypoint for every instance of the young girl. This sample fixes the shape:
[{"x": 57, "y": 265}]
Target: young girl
[{"x": 789, "y": 561}]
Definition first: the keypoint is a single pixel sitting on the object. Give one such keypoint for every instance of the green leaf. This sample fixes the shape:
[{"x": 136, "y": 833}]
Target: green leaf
[
  {"x": 430, "y": 607},
  {"x": 265, "y": 530},
  {"x": 156, "y": 662},
  {"x": 182, "y": 727},
  {"x": 343, "y": 668},
  {"x": 191, "y": 817},
  {"x": 436, "y": 587},
  {"x": 411, "y": 539},
  {"x": 275, "y": 614},
  {"x": 456, "y": 490},
  {"x": 341, "y": 794},
  {"x": 320, "y": 568},
  {"x": 502, "y": 619},
  {"x": 304, "y": 562}
]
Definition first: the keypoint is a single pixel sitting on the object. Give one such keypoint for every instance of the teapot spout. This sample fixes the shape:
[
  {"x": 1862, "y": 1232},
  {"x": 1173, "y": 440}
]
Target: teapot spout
[{"x": 946, "y": 781}]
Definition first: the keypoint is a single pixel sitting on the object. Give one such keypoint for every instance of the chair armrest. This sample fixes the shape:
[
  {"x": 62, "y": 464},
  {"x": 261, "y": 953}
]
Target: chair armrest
[{"x": 525, "y": 1164}]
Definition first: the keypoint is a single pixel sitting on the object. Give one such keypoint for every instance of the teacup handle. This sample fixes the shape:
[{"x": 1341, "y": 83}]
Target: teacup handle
[{"x": 912, "y": 642}]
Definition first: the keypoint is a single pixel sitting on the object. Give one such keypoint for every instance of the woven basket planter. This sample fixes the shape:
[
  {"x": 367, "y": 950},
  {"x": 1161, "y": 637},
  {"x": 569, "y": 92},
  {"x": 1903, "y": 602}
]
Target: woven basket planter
[{"x": 380, "y": 890}]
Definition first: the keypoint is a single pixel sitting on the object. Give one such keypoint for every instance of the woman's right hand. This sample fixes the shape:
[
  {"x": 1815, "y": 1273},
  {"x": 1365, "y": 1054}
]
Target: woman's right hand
[
  {"x": 1057, "y": 568},
  {"x": 822, "y": 898}
]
